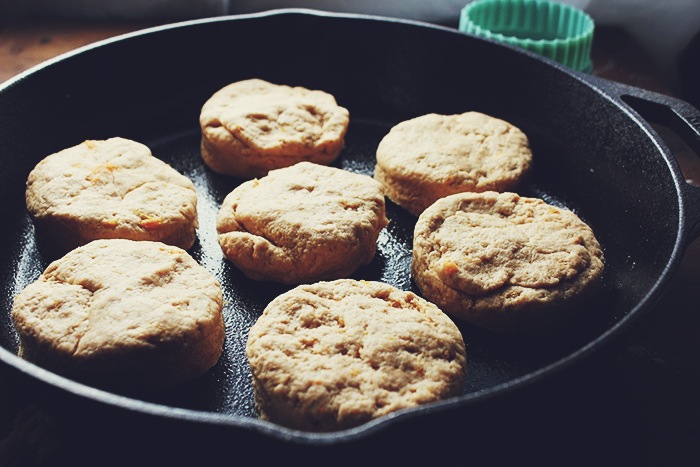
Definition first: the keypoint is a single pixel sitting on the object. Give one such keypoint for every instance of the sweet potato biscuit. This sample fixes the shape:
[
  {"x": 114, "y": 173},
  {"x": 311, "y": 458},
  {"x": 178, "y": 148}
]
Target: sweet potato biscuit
[
  {"x": 334, "y": 355},
  {"x": 122, "y": 313},
  {"x": 110, "y": 189},
  {"x": 505, "y": 262},
  {"x": 302, "y": 223},
  {"x": 432, "y": 156},
  {"x": 251, "y": 127}
]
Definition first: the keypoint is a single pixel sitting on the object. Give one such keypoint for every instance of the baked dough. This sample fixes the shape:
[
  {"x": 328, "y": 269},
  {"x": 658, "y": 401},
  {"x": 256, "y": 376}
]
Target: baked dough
[
  {"x": 432, "y": 156},
  {"x": 122, "y": 314},
  {"x": 334, "y": 355},
  {"x": 252, "y": 126},
  {"x": 112, "y": 188},
  {"x": 303, "y": 223},
  {"x": 504, "y": 262}
]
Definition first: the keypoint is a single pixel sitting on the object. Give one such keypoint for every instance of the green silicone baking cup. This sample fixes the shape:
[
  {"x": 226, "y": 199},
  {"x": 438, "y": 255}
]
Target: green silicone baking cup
[{"x": 555, "y": 30}]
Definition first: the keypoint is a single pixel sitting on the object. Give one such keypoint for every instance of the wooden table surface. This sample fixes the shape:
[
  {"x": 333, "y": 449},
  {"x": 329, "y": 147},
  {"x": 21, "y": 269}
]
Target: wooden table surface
[{"x": 639, "y": 406}]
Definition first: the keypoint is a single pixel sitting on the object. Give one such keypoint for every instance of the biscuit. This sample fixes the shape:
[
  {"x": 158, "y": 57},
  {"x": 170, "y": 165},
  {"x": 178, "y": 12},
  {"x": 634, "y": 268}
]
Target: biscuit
[
  {"x": 334, "y": 355},
  {"x": 251, "y": 127},
  {"x": 504, "y": 262},
  {"x": 303, "y": 223},
  {"x": 432, "y": 156},
  {"x": 122, "y": 314},
  {"x": 110, "y": 189}
]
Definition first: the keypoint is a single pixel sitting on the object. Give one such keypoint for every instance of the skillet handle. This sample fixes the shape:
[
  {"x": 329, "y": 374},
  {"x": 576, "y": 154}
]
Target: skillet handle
[{"x": 675, "y": 114}]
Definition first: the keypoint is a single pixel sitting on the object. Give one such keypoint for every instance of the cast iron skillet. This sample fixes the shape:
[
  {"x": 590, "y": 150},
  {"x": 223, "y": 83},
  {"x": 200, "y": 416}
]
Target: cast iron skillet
[{"x": 593, "y": 154}]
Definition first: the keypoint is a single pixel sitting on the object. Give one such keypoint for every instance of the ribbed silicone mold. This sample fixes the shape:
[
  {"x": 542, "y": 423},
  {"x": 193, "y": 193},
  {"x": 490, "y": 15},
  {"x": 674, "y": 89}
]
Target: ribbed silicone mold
[{"x": 554, "y": 30}]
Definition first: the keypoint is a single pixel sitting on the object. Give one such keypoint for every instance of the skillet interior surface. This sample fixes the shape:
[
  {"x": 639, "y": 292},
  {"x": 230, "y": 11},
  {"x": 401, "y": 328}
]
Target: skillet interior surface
[{"x": 590, "y": 155}]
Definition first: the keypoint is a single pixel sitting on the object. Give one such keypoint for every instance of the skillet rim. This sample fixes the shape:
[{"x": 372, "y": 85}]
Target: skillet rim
[{"x": 605, "y": 339}]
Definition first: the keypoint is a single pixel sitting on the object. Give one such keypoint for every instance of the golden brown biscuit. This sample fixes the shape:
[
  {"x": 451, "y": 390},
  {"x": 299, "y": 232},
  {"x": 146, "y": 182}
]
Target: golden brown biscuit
[
  {"x": 302, "y": 223},
  {"x": 251, "y": 127},
  {"x": 505, "y": 262},
  {"x": 432, "y": 156},
  {"x": 334, "y": 355},
  {"x": 110, "y": 189},
  {"x": 122, "y": 313}
]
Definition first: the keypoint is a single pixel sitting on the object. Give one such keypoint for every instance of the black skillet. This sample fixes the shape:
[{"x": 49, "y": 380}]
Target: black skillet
[{"x": 593, "y": 154}]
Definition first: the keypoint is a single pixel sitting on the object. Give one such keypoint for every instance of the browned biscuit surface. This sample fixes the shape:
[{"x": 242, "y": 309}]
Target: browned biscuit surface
[
  {"x": 333, "y": 355},
  {"x": 302, "y": 223},
  {"x": 505, "y": 262},
  {"x": 251, "y": 127},
  {"x": 122, "y": 313},
  {"x": 111, "y": 189},
  {"x": 432, "y": 156}
]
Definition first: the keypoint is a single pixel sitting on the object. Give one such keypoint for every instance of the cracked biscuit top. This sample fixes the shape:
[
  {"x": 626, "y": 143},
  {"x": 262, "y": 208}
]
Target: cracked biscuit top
[
  {"x": 122, "y": 313},
  {"x": 112, "y": 188},
  {"x": 302, "y": 223},
  {"x": 505, "y": 262},
  {"x": 252, "y": 126}
]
